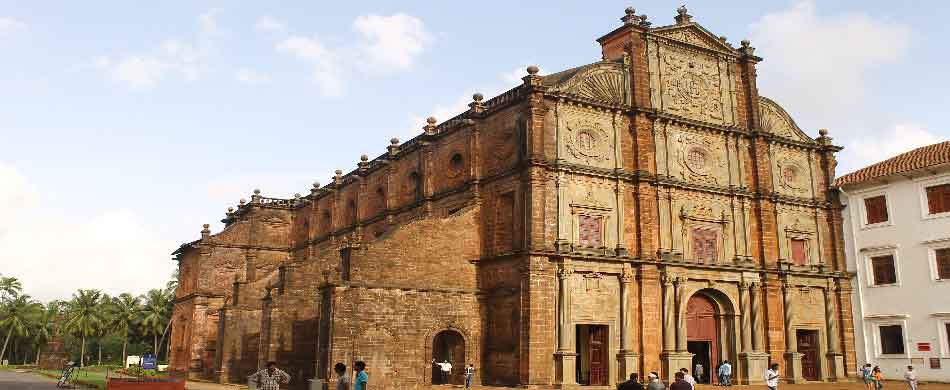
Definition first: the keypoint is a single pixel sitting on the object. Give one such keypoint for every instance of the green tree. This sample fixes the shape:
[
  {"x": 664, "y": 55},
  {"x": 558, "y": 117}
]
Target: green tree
[
  {"x": 10, "y": 288},
  {"x": 126, "y": 310},
  {"x": 15, "y": 318},
  {"x": 155, "y": 315},
  {"x": 44, "y": 327},
  {"x": 84, "y": 317},
  {"x": 102, "y": 330}
]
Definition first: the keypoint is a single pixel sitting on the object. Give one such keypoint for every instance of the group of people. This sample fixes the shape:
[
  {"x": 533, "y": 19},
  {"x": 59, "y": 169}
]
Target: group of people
[
  {"x": 874, "y": 379},
  {"x": 272, "y": 377},
  {"x": 444, "y": 371},
  {"x": 684, "y": 381}
]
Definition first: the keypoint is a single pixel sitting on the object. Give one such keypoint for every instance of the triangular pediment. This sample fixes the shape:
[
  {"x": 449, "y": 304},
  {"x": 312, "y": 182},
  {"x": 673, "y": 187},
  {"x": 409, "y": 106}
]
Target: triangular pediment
[
  {"x": 775, "y": 120},
  {"x": 604, "y": 81},
  {"x": 696, "y": 35}
]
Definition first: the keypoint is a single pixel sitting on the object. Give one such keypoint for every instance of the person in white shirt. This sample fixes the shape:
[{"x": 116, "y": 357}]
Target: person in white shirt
[
  {"x": 688, "y": 378},
  {"x": 725, "y": 374},
  {"x": 698, "y": 372},
  {"x": 446, "y": 370},
  {"x": 771, "y": 377},
  {"x": 911, "y": 377}
]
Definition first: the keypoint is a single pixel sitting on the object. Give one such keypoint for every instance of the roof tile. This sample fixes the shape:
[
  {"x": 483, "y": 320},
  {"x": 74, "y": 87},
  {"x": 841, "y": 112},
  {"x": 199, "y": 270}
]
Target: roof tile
[{"x": 922, "y": 157}]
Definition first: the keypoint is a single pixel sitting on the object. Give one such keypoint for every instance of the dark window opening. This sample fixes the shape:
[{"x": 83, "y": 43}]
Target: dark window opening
[
  {"x": 876, "y": 209},
  {"x": 943, "y": 263},
  {"x": 892, "y": 340},
  {"x": 883, "y": 269},
  {"x": 938, "y": 199}
]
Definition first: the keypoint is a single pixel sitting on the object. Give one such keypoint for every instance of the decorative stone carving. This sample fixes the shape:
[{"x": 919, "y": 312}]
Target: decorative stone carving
[
  {"x": 792, "y": 176},
  {"x": 773, "y": 119},
  {"x": 592, "y": 282},
  {"x": 604, "y": 82},
  {"x": 700, "y": 157},
  {"x": 588, "y": 142},
  {"x": 691, "y": 85}
]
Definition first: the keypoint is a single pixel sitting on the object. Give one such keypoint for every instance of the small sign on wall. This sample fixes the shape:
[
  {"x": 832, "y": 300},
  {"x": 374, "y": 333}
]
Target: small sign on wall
[
  {"x": 916, "y": 361},
  {"x": 923, "y": 347},
  {"x": 934, "y": 363}
]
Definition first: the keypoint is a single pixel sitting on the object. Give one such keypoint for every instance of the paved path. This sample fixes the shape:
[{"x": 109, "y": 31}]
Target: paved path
[{"x": 11, "y": 380}]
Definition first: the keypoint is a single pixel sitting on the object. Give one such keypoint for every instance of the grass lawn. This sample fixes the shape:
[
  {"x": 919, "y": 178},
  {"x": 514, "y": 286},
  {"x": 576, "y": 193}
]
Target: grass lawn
[{"x": 89, "y": 376}]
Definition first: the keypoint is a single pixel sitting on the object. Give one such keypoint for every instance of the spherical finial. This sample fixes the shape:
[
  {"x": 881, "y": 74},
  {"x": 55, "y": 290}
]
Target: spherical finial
[
  {"x": 394, "y": 141},
  {"x": 206, "y": 226},
  {"x": 242, "y": 201},
  {"x": 316, "y": 184},
  {"x": 338, "y": 172},
  {"x": 533, "y": 70},
  {"x": 681, "y": 10},
  {"x": 257, "y": 191},
  {"x": 297, "y": 195},
  {"x": 746, "y": 42},
  {"x": 823, "y": 132},
  {"x": 364, "y": 158},
  {"x": 431, "y": 120},
  {"x": 230, "y": 210},
  {"x": 630, "y": 11},
  {"x": 478, "y": 97}
]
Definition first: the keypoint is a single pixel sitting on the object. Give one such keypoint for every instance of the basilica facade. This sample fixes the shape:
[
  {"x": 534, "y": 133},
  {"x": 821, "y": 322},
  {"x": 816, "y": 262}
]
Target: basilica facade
[{"x": 649, "y": 211}]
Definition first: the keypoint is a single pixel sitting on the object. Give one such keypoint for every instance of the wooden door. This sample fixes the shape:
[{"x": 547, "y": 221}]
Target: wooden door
[
  {"x": 598, "y": 355},
  {"x": 808, "y": 347}
]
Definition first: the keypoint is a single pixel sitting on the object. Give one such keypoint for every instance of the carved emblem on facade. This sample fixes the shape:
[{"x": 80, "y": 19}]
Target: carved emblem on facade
[
  {"x": 692, "y": 86},
  {"x": 589, "y": 142},
  {"x": 699, "y": 156},
  {"x": 593, "y": 282},
  {"x": 792, "y": 175}
]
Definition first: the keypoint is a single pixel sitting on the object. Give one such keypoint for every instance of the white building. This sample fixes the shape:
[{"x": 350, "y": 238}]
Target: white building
[{"x": 897, "y": 242}]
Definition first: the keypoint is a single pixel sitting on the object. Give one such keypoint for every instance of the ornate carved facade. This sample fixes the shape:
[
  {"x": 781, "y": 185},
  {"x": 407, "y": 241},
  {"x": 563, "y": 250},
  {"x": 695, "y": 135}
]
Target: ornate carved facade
[{"x": 645, "y": 212}]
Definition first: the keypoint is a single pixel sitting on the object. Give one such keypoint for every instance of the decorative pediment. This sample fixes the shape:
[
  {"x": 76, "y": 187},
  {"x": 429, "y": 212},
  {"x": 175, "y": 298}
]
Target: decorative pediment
[
  {"x": 603, "y": 82},
  {"x": 773, "y": 119},
  {"x": 696, "y": 35}
]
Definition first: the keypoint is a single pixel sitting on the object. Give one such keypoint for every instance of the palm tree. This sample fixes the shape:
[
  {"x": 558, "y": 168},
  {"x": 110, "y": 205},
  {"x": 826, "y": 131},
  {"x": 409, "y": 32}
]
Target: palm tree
[
  {"x": 44, "y": 328},
  {"x": 102, "y": 330},
  {"x": 83, "y": 317},
  {"x": 155, "y": 315},
  {"x": 15, "y": 318},
  {"x": 10, "y": 287},
  {"x": 125, "y": 314}
]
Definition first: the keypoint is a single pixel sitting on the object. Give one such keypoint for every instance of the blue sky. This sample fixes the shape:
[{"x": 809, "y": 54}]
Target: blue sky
[{"x": 126, "y": 125}]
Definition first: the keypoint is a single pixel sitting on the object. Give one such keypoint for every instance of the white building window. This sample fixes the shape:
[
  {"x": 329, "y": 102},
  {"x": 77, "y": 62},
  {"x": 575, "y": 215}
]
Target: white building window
[
  {"x": 890, "y": 337},
  {"x": 935, "y": 197},
  {"x": 943, "y": 333},
  {"x": 882, "y": 265},
  {"x": 875, "y": 209}
]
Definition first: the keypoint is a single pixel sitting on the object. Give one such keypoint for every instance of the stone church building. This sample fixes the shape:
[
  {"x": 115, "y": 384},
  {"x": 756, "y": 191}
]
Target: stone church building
[{"x": 645, "y": 212}]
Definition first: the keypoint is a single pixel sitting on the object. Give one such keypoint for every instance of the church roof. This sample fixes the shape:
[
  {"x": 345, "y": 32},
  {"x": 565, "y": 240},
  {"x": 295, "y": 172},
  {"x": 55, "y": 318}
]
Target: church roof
[{"x": 920, "y": 158}]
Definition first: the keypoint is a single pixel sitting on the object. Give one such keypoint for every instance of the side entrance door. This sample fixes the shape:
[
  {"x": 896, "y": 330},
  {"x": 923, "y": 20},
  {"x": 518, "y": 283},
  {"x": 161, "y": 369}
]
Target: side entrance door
[
  {"x": 808, "y": 347},
  {"x": 598, "y": 355}
]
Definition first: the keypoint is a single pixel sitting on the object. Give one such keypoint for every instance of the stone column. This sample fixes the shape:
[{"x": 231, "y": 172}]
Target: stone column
[
  {"x": 835, "y": 358},
  {"x": 627, "y": 359},
  {"x": 669, "y": 332},
  {"x": 675, "y": 355},
  {"x": 681, "y": 300},
  {"x": 793, "y": 358},
  {"x": 565, "y": 356},
  {"x": 753, "y": 359}
]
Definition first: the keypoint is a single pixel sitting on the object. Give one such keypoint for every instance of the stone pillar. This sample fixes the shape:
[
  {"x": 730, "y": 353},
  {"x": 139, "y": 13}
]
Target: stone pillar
[
  {"x": 627, "y": 359},
  {"x": 793, "y": 359},
  {"x": 835, "y": 357},
  {"x": 675, "y": 355},
  {"x": 753, "y": 360},
  {"x": 565, "y": 357}
]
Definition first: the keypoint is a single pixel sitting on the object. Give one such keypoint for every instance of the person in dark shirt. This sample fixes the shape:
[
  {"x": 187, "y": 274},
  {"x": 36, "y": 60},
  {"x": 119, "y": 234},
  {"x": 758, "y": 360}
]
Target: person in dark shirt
[
  {"x": 632, "y": 384},
  {"x": 680, "y": 383}
]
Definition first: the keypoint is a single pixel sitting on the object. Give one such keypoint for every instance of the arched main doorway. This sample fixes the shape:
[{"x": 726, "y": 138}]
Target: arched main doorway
[
  {"x": 448, "y": 345},
  {"x": 709, "y": 335}
]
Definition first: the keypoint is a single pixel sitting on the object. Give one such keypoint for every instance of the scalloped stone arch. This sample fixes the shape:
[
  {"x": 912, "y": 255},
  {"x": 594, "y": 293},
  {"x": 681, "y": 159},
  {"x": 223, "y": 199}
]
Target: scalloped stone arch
[{"x": 775, "y": 120}]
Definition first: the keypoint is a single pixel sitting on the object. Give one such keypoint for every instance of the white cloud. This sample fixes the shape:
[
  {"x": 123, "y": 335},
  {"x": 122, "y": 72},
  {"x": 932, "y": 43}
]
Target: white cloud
[
  {"x": 386, "y": 44},
  {"x": 9, "y": 26},
  {"x": 864, "y": 151},
  {"x": 819, "y": 64},
  {"x": 54, "y": 253},
  {"x": 250, "y": 76},
  {"x": 392, "y": 41},
  {"x": 172, "y": 57},
  {"x": 325, "y": 62},
  {"x": 268, "y": 24}
]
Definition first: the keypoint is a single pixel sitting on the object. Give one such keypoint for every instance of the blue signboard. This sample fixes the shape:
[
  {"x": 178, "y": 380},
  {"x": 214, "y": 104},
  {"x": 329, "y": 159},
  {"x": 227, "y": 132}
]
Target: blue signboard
[{"x": 149, "y": 362}]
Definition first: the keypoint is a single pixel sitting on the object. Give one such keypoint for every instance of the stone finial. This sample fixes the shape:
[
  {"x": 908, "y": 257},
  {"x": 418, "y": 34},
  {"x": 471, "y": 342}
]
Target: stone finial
[
  {"x": 364, "y": 158},
  {"x": 746, "y": 48},
  {"x": 242, "y": 202},
  {"x": 682, "y": 17},
  {"x": 364, "y": 163},
  {"x": 823, "y": 132},
  {"x": 230, "y": 210},
  {"x": 205, "y": 230},
  {"x": 256, "y": 198},
  {"x": 476, "y": 105},
  {"x": 630, "y": 17},
  {"x": 430, "y": 128},
  {"x": 644, "y": 22},
  {"x": 533, "y": 70},
  {"x": 257, "y": 191},
  {"x": 316, "y": 184},
  {"x": 315, "y": 188},
  {"x": 393, "y": 147},
  {"x": 297, "y": 196},
  {"x": 532, "y": 79},
  {"x": 823, "y": 137}
]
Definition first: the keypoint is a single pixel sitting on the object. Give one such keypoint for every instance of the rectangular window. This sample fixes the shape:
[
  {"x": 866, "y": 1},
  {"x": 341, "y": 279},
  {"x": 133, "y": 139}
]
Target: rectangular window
[
  {"x": 883, "y": 268},
  {"x": 892, "y": 340},
  {"x": 705, "y": 246},
  {"x": 876, "y": 209},
  {"x": 938, "y": 198},
  {"x": 947, "y": 325},
  {"x": 943, "y": 263},
  {"x": 590, "y": 231},
  {"x": 799, "y": 252}
]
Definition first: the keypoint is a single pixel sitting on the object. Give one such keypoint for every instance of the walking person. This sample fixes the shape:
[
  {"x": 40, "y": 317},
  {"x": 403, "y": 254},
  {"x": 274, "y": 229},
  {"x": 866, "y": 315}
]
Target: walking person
[
  {"x": 446, "y": 372},
  {"x": 878, "y": 378},
  {"x": 362, "y": 379},
  {"x": 771, "y": 377},
  {"x": 687, "y": 378},
  {"x": 725, "y": 373},
  {"x": 866, "y": 374},
  {"x": 470, "y": 375},
  {"x": 632, "y": 384},
  {"x": 343, "y": 380},
  {"x": 680, "y": 383},
  {"x": 911, "y": 377},
  {"x": 269, "y": 378},
  {"x": 698, "y": 372},
  {"x": 655, "y": 383}
]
